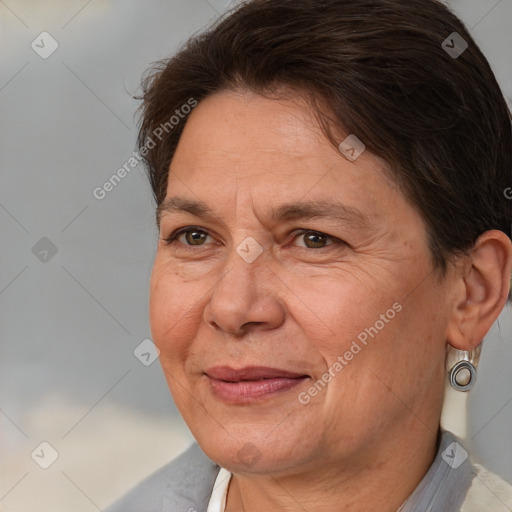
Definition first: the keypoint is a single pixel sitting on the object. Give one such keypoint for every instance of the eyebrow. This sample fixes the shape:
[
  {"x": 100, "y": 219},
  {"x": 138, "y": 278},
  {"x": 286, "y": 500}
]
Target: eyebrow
[
  {"x": 181, "y": 204},
  {"x": 319, "y": 209},
  {"x": 283, "y": 212}
]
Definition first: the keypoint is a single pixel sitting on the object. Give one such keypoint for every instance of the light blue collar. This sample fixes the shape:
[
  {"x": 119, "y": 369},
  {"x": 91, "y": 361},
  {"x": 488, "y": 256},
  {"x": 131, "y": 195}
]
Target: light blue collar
[{"x": 446, "y": 483}]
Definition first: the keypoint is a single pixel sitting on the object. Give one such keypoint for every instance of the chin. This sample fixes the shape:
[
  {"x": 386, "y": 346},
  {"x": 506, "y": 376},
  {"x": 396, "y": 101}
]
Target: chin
[{"x": 243, "y": 453}]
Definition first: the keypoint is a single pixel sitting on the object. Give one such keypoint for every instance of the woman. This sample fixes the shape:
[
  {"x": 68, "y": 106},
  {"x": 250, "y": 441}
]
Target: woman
[{"x": 329, "y": 178}]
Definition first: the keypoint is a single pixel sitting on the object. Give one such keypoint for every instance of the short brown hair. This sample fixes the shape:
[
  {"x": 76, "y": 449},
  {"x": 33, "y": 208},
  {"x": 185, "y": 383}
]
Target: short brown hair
[{"x": 381, "y": 70}]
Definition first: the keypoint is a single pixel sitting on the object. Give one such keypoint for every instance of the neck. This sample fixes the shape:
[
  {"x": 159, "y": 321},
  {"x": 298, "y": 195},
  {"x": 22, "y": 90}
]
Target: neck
[{"x": 382, "y": 482}]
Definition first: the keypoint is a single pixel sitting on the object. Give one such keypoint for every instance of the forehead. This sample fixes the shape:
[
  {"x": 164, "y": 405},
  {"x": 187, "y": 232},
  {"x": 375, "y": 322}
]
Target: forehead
[
  {"x": 232, "y": 130},
  {"x": 239, "y": 146},
  {"x": 238, "y": 126}
]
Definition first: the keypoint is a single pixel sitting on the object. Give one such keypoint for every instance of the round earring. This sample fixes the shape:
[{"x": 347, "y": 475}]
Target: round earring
[
  {"x": 463, "y": 376},
  {"x": 462, "y": 368}
]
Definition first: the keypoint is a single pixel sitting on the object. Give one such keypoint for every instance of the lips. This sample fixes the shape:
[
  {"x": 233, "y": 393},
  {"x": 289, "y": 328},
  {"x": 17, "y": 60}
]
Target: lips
[
  {"x": 251, "y": 383},
  {"x": 229, "y": 374}
]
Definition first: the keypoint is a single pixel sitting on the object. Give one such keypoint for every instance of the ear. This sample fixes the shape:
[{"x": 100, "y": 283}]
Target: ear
[{"x": 483, "y": 289}]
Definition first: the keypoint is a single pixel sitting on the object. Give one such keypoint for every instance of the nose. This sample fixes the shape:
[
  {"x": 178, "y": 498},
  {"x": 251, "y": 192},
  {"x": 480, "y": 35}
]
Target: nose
[{"x": 245, "y": 298}]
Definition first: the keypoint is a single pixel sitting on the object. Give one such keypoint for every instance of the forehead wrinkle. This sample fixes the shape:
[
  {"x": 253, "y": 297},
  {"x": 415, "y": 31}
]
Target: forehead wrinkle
[{"x": 301, "y": 210}]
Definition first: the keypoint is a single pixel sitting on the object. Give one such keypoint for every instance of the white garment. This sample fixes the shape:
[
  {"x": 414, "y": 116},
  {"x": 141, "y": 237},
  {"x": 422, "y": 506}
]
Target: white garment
[
  {"x": 488, "y": 492},
  {"x": 217, "y": 501}
]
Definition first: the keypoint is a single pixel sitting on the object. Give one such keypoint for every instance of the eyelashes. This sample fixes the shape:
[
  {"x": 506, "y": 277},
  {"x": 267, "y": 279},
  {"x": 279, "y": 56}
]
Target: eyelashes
[
  {"x": 313, "y": 239},
  {"x": 189, "y": 229}
]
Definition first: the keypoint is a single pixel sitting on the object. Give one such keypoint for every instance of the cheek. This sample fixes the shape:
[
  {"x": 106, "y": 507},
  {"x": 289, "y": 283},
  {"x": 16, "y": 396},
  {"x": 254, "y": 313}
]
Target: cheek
[
  {"x": 374, "y": 337},
  {"x": 391, "y": 358},
  {"x": 171, "y": 311},
  {"x": 343, "y": 310}
]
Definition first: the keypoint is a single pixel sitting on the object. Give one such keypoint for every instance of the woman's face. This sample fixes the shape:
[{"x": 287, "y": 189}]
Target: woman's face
[{"x": 299, "y": 319}]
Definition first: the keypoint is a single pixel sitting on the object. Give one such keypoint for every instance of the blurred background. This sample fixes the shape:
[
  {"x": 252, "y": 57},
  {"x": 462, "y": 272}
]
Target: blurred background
[{"x": 85, "y": 412}]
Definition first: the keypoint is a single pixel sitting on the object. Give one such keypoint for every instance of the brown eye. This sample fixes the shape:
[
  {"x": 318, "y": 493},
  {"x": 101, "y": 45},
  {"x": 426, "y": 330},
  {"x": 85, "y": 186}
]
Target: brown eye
[
  {"x": 188, "y": 236},
  {"x": 314, "y": 239},
  {"x": 194, "y": 237}
]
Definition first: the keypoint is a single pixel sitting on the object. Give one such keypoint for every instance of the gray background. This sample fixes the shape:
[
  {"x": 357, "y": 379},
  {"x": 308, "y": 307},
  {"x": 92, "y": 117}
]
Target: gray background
[{"x": 69, "y": 324}]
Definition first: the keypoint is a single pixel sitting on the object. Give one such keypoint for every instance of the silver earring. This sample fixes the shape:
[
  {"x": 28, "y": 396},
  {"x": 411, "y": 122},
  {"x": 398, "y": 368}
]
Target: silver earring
[{"x": 462, "y": 367}]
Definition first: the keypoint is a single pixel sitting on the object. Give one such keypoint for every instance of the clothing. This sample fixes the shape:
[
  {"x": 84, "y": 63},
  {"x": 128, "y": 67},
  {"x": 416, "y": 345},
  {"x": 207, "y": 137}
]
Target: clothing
[
  {"x": 217, "y": 501},
  {"x": 452, "y": 484}
]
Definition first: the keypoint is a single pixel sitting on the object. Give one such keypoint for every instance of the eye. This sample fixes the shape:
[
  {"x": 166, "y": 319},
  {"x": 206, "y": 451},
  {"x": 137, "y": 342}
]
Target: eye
[
  {"x": 315, "y": 239},
  {"x": 189, "y": 235}
]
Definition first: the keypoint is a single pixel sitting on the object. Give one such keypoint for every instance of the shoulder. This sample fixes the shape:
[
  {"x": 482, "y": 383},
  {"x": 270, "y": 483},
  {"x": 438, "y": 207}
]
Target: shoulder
[
  {"x": 185, "y": 484},
  {"x": 487, "y": 492}
]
